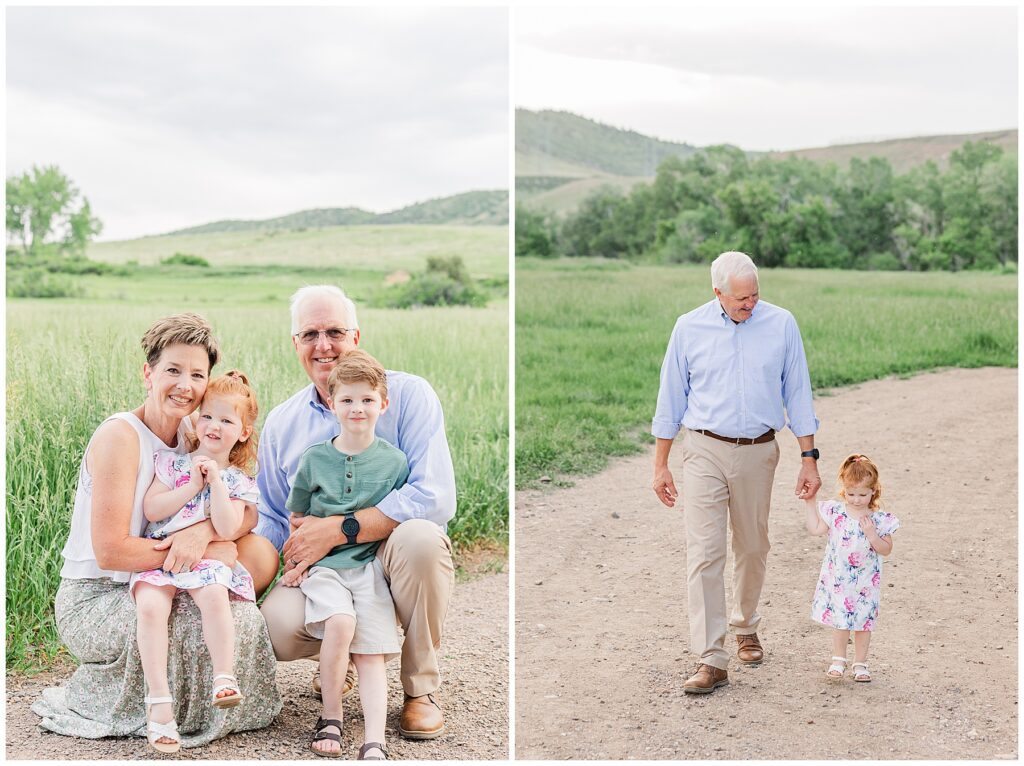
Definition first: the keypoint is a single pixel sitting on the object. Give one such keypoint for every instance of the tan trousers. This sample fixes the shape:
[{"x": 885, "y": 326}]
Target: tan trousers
[
  {"x": 417, "y": 561},
  {"x": 724, "y": 481}
]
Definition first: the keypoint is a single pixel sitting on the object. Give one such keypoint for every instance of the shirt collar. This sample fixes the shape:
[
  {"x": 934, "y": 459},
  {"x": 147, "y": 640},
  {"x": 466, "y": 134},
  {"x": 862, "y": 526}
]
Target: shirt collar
[
  {"x": 313, "y": 399},
  {"x": 726, "y": 318}
]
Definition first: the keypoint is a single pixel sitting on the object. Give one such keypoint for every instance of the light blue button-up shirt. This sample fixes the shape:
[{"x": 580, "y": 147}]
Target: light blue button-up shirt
[
  {"x": 413, "y": 422},
  {"x": 736, "y": 380}
]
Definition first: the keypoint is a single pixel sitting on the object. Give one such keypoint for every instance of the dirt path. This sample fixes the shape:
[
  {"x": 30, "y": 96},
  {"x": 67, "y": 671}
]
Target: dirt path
[
  {"x": 601, "y": 613},
  {"x": 474, "y": 696}
]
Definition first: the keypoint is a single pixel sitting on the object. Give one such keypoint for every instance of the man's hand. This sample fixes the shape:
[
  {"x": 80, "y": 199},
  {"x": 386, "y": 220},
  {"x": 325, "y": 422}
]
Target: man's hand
[
  {"x": 186, "y": 546},
  {"x": 808, "y": 482},
  {"x": 312, "y": 538},
  {"x": 665, "y": 486}
]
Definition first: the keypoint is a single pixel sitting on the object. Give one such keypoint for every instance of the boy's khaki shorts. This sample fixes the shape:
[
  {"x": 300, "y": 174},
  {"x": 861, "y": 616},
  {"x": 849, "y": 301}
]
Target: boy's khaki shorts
[{"x": 361, "y": 593}]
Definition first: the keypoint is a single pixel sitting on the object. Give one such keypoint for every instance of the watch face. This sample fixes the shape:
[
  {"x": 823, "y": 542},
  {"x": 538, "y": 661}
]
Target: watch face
[{"x": 350, "y": 526}]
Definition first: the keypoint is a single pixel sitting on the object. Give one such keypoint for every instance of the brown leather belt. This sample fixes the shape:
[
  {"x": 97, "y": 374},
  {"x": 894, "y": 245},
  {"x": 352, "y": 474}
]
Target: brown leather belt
[{"x": 767, "y": 436}]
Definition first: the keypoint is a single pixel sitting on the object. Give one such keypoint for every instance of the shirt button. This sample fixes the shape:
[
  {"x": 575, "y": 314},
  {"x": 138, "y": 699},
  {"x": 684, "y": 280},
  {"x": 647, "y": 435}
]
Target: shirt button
[
  {"x": 348, "y": 489},
  {"x": 348, "y": 475},
  {"x": 349, "y": 458}
]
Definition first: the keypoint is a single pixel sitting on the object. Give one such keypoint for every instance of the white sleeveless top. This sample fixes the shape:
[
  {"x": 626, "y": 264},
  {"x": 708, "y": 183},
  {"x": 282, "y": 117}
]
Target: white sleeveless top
[{"x": 79, "y": 559}]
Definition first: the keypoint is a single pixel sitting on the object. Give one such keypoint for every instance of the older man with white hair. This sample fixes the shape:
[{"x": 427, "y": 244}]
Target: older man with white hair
[
  {"x": 416, "y": 554},
  {"x": 734, "y": 372}
]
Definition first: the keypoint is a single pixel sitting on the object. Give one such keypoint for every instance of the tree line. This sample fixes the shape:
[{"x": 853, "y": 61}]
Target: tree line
[{"x": 795, "y": 213}]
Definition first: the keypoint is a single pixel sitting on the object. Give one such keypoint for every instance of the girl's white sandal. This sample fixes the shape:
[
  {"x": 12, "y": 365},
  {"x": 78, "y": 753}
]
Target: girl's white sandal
[
  {"x": 861, "y": 672},
  {"x": 230, "y": 700},
  {"x": 155, "y": 731},
  {"x": 837, "y": 668}
]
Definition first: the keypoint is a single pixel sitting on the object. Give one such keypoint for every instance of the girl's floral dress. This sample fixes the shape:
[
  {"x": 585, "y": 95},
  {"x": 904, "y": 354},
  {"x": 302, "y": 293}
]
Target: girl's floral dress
[
  {"x": 849, "y": 585},
  {"x": 174, "y": 470}
]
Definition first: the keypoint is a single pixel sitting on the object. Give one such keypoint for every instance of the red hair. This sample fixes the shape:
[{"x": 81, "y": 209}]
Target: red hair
[
  {"x": 234, "y": 384},
  {"x": 856, "y": 471}
]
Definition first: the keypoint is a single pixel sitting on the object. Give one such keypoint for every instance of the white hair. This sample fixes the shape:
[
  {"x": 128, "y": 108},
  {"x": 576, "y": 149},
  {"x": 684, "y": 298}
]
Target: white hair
[
  {"x": 731, "y": 265},
  {"x": 303, "y": 294}
]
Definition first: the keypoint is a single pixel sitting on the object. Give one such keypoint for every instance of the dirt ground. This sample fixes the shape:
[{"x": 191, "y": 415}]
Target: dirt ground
[
  {"x": 601, "y": 614},
  {"x": 474, "y": 695}
]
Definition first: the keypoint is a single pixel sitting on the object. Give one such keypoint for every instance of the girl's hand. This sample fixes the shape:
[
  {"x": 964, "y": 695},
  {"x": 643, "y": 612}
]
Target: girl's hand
[
  {"x": 212, "y": 472},
  {"x": 867, "y": 527},
  {"x": 196, "y": 479}
]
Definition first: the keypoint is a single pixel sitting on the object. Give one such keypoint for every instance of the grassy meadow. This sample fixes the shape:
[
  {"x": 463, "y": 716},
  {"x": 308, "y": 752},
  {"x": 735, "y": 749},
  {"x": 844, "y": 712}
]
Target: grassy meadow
[
  {"x": 483, "y": 248},
  {"x": 70, "y": 363},
  {"x": 591, "y": 335}
]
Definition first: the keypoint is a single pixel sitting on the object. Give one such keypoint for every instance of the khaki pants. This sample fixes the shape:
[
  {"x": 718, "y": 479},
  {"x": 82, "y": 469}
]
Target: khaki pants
[
  {"x": 417, "y": 562},
  {"x": 724, "y": 481}
]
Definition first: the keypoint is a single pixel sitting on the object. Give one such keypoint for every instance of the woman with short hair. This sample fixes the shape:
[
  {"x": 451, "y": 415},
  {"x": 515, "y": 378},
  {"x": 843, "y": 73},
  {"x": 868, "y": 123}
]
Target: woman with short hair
[{"x": 94, "y": 612}]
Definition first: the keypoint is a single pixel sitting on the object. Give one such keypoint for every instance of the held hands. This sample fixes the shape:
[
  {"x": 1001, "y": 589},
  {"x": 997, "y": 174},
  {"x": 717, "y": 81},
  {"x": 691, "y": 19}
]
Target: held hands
[
  {"x": 665, "y": 487},
  {"x": 808, "y": 482}
]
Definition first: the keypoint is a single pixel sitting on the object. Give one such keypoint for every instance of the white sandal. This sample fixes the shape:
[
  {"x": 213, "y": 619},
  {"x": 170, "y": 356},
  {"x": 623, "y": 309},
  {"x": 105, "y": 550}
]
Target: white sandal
[
  {"x": 155, "y": 731},
  {"x": 861, "y": 672},
  {"x": 231, "y": 700},
  {"x": 837, "y": 668}
]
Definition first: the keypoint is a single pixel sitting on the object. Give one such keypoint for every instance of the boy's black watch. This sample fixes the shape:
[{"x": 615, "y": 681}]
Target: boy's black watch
[
  {"x": 810, "y": 453},
  {"x": 350, "y": 528}
]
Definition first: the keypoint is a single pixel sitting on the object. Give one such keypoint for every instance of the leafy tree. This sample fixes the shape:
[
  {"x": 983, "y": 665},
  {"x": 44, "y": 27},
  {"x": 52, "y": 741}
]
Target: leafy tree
[
  {"x": 535, "y": 234},
  {"x": 45, "y": 207}
]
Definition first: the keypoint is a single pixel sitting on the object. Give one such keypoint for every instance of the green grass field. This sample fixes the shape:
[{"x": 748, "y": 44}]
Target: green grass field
[
  {"x": 70, "y": 363},
  {"x": 591, "y": 336},
  {"x": 360, "y": 248}
]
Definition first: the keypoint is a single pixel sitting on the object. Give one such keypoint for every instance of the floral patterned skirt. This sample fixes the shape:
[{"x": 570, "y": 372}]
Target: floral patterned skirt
[{"x": 96, "y": 621}]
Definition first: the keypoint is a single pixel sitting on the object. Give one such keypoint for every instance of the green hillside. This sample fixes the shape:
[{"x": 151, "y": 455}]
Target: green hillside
[
  {"x": 472, "y": 208},
  {"x": 573, "y": 143},
  {"x": 562, "y": 158},
  {"x": 905, "y": 153}
]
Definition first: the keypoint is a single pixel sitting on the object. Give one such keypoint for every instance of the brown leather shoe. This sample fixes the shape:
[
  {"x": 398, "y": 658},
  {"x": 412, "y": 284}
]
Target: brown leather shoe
[
  {"x": 706, "y": 680},
  {"x": 347, "y": 690},
  {"x": 421, "y": 718},
  {"x": 749, "y": 650}
]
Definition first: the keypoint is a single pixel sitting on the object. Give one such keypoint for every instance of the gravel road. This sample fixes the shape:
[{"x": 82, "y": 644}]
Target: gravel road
[
  {"x": 474, "y": 696},
  {"x": 601, "y": 614}
]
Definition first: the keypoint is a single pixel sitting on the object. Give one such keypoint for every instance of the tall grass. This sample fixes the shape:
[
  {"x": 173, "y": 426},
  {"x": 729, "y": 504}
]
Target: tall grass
[
  {"x": 591, "y": 336},
  {"x": 70, "y": 364}
]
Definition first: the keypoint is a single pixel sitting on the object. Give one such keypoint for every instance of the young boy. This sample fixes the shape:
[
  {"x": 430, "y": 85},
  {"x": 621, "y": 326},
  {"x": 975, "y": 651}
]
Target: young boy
[{"x": 348, "y": 604}]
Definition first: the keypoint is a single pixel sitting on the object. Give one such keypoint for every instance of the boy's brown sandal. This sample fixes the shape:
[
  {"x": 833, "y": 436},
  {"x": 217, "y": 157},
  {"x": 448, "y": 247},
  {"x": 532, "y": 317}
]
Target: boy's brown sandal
[
  {"x": 319, "y": 734},
  {"x": 347, "y": 689},
  {"x": 749, "y": 651},
  {"x": 705, "y": 680},
  {"x": 384, "y": 756}
]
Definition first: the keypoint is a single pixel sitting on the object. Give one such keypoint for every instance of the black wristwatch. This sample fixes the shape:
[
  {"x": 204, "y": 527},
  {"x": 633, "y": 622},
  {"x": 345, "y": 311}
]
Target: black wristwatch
[
  {"x": 350, "y": 528},
  {"x": 810, "y": 453}
]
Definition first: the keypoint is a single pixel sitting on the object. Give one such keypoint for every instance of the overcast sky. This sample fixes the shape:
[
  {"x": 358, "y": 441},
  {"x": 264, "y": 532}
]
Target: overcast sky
[
  {"x": 170, "y": 117},
  {"x": 775, "y": 78}
]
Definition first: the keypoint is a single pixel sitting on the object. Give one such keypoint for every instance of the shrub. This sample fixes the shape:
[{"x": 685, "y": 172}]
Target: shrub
[
  {"x": 185, "y": 259},
  {"x": 446, "y": 282},
  {"x": 38, "y": 283}
]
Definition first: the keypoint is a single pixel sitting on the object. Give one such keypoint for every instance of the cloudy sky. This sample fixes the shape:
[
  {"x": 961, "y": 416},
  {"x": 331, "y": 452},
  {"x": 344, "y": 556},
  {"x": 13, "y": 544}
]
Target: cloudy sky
[
  {"x": 778, "y": 78},
  {"x": 171, "y": 117}
]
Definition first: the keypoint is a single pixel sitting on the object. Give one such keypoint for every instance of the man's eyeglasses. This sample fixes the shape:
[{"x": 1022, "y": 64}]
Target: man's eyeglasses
[{"x": 334, "y": 335}]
